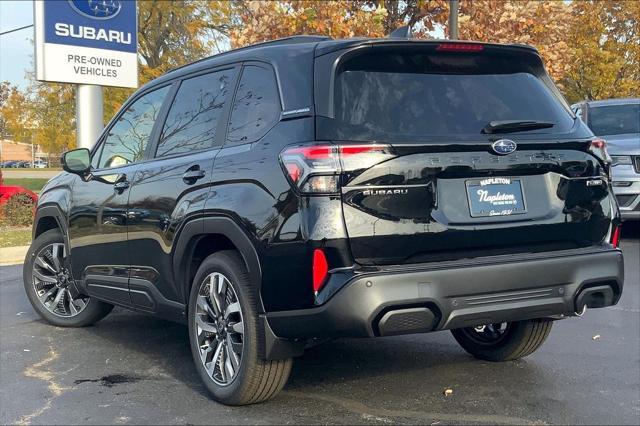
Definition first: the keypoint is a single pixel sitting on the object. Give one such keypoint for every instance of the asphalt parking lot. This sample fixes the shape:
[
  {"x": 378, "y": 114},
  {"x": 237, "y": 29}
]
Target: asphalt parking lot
[{"x": 134, "y": 369}]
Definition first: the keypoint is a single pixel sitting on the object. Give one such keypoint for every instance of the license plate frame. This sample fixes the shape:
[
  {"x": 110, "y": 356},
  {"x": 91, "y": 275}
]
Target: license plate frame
[{"x": 500, "y": 196}]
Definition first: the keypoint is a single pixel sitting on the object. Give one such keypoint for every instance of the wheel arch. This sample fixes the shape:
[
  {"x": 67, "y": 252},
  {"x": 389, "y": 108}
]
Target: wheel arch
[
  {"x": 204, "y": 236},
  {"x": 47, "y": 218}
]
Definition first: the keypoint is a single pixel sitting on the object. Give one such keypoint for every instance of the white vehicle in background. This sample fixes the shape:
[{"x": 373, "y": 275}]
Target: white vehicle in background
[
  {"x": 618, "y": 122},
  {"x": 40, "y": 164}
]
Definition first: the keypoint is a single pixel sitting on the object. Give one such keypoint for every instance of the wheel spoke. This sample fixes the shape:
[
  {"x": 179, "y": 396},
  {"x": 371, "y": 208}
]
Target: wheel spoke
[
  {"x": 46, "y": 278},
  {"x": 72, "y": 307},
  {"x": 57, "y": 254},
  {"x": 204, "y": 305},
  {"x": 205, "y": 326},
  {"x": 47, "y": 295},
  {"x": 238, "y": 327},
  {"x": 220, "y": 360},
  {"x": 234, "y": 356},
  {"x": 232, "y": 308},
  {"x": 221, "y": 287},
  {"x": 41, "y": 262},
  {"x": 228, "y": 365},
  {"x": 204, "y": 354},
  {"x": 59, "y": 296},
  {"x": 212, "y": 294}
]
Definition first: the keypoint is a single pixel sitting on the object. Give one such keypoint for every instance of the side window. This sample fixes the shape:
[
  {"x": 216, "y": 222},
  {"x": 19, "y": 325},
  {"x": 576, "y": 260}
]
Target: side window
[
  {"x": 256, "y": 106},
  {"x": 128, "y": 138},
  {"x": 193, "y": 118}
]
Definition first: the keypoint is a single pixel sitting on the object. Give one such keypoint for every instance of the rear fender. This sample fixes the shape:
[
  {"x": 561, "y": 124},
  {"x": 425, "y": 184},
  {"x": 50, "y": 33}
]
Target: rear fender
[{"x": 197, "y": 228}]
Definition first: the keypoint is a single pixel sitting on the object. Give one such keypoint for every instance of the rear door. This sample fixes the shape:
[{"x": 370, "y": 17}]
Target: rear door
[
  {"x": 171, "y": 188},
  {"x": 449, "y": 184}
]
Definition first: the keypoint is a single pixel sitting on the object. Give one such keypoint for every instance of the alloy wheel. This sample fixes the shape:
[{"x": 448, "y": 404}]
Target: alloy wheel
[
  {"x": 219, "y": 328},
  {"x": 51, "y": 280}
]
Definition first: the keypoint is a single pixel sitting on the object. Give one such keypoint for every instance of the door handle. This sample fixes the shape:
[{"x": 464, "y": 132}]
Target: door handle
[
  {"x": 191, "y": 176},
  {"x": 121, "y": 186}
]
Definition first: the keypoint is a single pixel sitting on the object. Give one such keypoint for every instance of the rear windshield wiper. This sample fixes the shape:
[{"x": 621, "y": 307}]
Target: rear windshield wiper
[{"x": 508, "y": 126}]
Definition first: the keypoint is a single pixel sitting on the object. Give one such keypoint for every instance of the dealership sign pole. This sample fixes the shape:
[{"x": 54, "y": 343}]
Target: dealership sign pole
[{"x": 91, "y": 43}]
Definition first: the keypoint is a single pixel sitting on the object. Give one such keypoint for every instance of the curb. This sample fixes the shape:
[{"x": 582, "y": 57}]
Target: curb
[{"x": 13, "y": 255}]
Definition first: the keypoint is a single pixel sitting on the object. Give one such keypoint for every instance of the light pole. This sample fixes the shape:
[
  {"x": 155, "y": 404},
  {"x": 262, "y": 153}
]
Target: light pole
[
  {"x": 89, "y": 122},
  {"x": 453, "y": 19}
]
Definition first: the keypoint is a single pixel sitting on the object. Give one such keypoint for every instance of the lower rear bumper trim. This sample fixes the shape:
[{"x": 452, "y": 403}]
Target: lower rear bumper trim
[{"x": 459, "y": 297}]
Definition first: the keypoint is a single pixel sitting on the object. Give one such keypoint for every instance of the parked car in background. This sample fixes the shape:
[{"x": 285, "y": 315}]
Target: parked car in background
[
  {"x": 40, "y": 164},
  {"x": 13, "y": 164},
  {"x": 618, "y": 122}
]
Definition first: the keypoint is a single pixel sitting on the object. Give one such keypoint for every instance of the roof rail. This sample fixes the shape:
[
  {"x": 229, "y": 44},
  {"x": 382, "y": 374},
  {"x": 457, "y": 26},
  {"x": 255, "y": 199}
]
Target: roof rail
[{"x": 277, "y": 42}]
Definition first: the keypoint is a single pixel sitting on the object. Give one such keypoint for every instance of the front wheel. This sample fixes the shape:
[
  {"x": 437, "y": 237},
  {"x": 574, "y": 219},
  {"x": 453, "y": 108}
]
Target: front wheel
[
  {"x": 503, "y": 341},
  {"x": 224, "y": 334},
  {"x": 49, "y": 285}
]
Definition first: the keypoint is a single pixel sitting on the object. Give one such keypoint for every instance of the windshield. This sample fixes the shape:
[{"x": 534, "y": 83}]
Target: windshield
[
  {"x": 409, "y": 96},
  {"x": 614, "y": 119}
]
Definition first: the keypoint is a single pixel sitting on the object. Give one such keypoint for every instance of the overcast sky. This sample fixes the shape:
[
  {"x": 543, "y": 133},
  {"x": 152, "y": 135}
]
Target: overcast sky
[{"x": 16, "y": 49}]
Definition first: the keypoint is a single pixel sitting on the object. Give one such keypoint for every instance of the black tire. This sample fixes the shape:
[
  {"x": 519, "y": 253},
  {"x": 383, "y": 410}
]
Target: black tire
[
  {"x": 519, "y": 339},
  {"x": 255, "y": 379},
  {"x": 94, "y": 310}
]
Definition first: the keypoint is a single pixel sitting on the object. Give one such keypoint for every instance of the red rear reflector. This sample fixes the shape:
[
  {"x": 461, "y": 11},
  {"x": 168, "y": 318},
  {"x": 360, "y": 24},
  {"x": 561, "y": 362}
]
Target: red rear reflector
[
  {"x": 598, "y": 143},
  {"x": 320, "y": 269},
  {"x": 294, "y": 171},
  {"x": 459, "y": 47},
  {"x": 615, "y": 238}
]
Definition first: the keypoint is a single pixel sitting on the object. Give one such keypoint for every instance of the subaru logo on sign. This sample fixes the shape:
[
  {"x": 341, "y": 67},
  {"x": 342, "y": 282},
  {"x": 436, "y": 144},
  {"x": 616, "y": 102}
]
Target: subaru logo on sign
[
  {"x": 97, "y": 9},
  {"x": 504, "y": 146}
]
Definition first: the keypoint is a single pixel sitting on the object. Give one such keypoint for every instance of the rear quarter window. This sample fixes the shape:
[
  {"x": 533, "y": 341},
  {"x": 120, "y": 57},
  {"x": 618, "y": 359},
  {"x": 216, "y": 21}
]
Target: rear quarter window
[{"x": 256, "y": 107}]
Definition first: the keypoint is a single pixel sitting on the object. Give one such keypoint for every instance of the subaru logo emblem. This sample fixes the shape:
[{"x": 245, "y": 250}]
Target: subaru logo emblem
[
  {"x": 503, "y": 146},
  {"x": 97, "y": 9}
]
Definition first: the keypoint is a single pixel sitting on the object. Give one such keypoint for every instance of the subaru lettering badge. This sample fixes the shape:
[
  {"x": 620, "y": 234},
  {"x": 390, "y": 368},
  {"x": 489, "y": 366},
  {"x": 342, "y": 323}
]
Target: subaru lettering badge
[
  {"x": 504, "y": 146},
  {"x": 97, "y": 9}
]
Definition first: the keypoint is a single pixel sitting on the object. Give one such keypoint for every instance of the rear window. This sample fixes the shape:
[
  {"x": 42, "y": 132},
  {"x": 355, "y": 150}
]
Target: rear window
[
  {"x": 614, "y": 119},
  {"x": 413, "y": 96}
]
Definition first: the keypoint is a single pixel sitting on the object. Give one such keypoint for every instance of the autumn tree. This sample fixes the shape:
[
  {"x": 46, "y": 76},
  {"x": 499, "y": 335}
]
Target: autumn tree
[
  {"x": 171, "y": 34},
  {"x": 421, "y": 15},
  {"x": 267, "y": 20},
  {"x": 542, "y": 24},
  {"x": 605, "y": 51},
  {"x": 13, "y": 113}
]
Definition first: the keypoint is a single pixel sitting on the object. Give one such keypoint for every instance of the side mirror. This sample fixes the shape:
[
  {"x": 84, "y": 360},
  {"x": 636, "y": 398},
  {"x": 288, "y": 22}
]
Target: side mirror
[{"x": 77, "y": 161}]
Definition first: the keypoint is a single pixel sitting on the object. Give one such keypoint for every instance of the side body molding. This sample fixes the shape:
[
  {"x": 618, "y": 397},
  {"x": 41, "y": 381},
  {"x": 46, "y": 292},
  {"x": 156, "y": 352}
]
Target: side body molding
[{"x": 199, "y": 228}]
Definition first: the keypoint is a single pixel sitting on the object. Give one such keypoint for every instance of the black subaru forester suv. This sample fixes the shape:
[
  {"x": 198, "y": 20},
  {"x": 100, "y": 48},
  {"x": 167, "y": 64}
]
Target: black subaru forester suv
[{"x": 302, "y": 189}]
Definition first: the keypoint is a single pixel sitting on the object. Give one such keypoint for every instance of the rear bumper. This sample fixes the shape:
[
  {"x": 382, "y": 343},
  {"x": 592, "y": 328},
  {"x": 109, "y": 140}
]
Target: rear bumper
[{"x": 453, "y": 295}]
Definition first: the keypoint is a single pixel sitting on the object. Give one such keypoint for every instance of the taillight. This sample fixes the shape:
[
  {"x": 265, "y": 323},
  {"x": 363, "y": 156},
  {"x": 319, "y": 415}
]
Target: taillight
[
  {"x": 459, "y": 47},
  {"x": 316, "y": 169},
  {"x": 320, "y": 269},
  {"x": 615, "y": 237}
]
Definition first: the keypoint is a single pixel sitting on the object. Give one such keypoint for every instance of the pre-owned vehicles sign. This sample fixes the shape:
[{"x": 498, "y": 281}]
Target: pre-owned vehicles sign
[{"x": 87, "y": 42}]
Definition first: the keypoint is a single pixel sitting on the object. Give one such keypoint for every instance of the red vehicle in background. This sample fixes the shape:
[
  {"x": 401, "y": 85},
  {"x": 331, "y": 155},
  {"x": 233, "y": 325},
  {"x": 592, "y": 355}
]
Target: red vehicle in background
[{"x": 9, "y": 191}]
